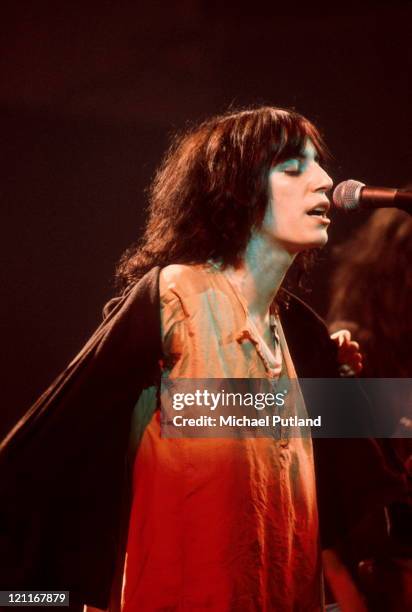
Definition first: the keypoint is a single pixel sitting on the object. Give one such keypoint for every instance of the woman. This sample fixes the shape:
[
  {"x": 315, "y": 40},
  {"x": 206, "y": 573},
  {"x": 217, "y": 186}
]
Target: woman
[
  {"x": 219, "y": 524},
  {"x": 227, "y": 524}
]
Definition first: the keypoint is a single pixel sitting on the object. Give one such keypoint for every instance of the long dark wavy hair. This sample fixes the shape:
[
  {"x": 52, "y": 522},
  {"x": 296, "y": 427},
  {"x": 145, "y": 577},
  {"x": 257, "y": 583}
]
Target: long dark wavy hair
[
  {"x": 371, "y": 292},
  {"x": 211, "y": 189}
]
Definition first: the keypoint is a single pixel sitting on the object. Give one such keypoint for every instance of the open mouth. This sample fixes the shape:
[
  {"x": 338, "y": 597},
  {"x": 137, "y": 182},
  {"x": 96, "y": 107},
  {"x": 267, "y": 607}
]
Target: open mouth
[{"x": 319, "y": 211}]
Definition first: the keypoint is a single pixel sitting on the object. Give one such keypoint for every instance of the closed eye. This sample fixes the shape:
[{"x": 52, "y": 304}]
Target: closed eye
[{"x": 292, "y": 166}]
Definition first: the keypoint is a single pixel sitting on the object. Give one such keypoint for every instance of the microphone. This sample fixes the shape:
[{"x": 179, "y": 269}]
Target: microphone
[{"x": 354, "y": 195}]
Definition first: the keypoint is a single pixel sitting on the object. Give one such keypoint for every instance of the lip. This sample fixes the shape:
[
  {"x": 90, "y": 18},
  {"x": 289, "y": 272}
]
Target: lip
[
  {"x": 323, "y": 220},
  {"x": 324, "y": 205}
]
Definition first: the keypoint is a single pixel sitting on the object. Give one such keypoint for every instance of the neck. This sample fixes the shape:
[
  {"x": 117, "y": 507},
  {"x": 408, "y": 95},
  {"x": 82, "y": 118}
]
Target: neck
[{"x": 260, "y": 273}]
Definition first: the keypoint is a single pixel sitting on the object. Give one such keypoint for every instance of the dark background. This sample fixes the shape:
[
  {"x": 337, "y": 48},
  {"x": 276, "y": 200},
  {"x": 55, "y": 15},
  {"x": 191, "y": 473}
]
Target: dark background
[{"x": 89, "y": 96}]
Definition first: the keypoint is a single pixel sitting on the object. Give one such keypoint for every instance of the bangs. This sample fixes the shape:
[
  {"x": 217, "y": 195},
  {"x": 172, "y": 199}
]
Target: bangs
[{"x": 290, "y": 132}]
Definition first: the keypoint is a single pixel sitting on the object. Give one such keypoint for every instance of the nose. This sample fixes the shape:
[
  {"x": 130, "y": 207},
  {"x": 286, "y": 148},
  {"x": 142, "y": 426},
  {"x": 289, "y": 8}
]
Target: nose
[{"x": 322, "y": 181}]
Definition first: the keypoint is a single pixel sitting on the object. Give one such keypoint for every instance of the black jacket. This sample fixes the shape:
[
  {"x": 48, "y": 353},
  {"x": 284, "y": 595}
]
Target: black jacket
[{"x": 64, "y": 478}]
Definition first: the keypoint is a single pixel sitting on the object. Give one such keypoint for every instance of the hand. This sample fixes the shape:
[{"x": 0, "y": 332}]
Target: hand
[{"x": 349, "y": 356}]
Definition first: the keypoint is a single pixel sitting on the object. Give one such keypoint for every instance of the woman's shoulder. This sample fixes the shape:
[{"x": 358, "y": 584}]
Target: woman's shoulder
[
  {"x": 184, "y": 279},
  {"x": 176, "y": 272}
]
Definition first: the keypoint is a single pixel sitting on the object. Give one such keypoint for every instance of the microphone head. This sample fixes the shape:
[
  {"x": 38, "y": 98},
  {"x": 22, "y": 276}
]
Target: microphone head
[{"x": 346, "y": 195}]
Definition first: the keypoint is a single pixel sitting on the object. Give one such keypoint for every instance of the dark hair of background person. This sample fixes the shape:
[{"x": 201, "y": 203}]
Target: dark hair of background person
[
  {"x": 371, "y": 292},
  {"x": 211, "y": 189}
]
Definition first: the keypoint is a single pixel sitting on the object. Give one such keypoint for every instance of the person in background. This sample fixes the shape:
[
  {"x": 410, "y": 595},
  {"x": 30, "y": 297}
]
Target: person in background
[{"x": 371, "y": 296}]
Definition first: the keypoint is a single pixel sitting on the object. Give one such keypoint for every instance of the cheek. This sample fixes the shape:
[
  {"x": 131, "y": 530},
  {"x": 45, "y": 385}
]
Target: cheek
[
  {"x": 284, "y": 212},
  {"x": 284, "y": 202},
  {"x": 279, "y": 212}
]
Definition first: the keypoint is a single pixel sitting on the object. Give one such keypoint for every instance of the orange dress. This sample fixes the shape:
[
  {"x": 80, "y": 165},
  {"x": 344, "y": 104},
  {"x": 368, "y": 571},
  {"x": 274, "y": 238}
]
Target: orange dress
[{"x": 218, "y": 524}]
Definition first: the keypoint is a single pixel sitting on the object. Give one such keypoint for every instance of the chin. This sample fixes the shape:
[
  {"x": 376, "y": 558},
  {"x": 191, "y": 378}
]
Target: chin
[
  {"x": 320, "y": 241},
  {"x": 316, "y": 242}
]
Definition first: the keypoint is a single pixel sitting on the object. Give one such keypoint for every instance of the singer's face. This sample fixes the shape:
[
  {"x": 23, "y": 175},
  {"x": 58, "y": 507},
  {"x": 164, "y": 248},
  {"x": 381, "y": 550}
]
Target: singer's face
[{"x": 295, "y": 218}]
